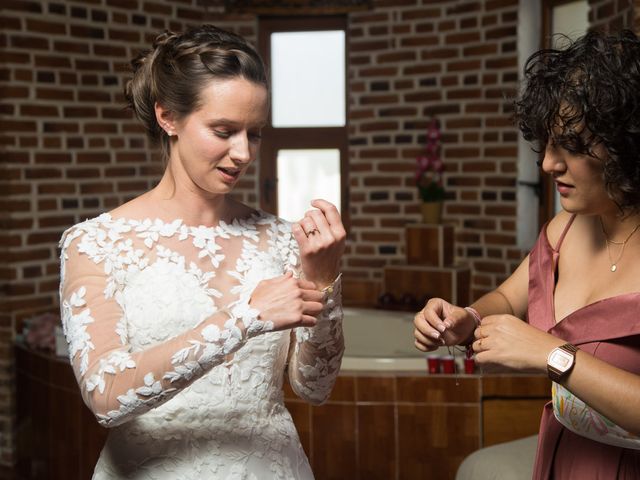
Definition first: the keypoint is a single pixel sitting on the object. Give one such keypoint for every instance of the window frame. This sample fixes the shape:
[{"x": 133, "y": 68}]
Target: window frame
[
  {"x": 279, "y": 138},
  {"x": 547, "y": 208}
]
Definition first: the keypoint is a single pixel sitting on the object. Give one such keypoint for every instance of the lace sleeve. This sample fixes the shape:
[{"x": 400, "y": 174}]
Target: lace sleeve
[
  {"x": 117, "y": 383},
  {"x": 316, "y": 353}
]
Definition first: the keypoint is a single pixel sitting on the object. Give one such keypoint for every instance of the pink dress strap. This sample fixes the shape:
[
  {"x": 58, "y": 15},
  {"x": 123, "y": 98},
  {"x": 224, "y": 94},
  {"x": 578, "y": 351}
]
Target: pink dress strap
[{"x": 564, "y": 232}]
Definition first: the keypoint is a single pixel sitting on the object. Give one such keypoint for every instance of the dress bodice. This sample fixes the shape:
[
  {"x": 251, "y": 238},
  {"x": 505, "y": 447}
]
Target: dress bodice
[
  {"x": 167, "y": 349},
  {"x": 576, "y": 441}
]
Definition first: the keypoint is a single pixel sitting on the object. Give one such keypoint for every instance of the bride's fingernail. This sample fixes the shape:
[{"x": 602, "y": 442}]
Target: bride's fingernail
[{"x": 436, "y": 335}]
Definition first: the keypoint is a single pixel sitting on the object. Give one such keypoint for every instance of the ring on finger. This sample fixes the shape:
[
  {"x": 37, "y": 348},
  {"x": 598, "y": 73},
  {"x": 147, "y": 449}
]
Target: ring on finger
[{"x": 312, "y": 232}]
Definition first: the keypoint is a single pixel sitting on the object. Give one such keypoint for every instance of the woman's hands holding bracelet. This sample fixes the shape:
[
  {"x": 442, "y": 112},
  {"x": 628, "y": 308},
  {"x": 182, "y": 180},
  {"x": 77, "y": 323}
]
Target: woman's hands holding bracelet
[
  {"x": 507, "y": 341},
  {"x": 441, "y": 323}
]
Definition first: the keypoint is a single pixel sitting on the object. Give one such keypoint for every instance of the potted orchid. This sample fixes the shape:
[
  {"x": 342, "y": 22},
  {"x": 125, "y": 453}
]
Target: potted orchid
[{"x": 429, "y": 169}]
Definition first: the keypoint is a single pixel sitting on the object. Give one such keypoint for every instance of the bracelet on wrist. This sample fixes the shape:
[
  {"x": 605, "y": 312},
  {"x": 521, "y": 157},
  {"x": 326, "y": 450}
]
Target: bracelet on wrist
[
  {"x": 476, "y": 316},
  {"x": 478, "y": 319}
]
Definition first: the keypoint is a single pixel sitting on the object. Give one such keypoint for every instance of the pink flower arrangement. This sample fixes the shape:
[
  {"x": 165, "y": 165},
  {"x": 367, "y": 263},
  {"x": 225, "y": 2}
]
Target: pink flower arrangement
[
  {"x": 429, "y": 167},
  {"x": 40, "y": 332}
]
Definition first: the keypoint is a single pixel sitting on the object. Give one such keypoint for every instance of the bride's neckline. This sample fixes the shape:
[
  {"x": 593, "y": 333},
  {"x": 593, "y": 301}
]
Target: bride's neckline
[{"x": 251, "y": 218}]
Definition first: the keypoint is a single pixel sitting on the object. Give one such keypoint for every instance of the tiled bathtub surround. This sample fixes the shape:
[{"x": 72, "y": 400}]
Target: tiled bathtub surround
[{"x": 385, "y": 425}]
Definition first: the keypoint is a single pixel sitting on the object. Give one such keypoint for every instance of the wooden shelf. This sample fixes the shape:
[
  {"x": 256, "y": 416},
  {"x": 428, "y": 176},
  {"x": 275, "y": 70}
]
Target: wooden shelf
[
  {"x": 451, "y": 283},
  {"x": 430, "y": 244}
]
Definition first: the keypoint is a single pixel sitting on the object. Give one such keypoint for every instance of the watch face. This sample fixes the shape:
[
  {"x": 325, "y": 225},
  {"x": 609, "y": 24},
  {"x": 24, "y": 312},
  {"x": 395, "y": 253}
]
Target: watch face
[{"x": 561, "y": 360}]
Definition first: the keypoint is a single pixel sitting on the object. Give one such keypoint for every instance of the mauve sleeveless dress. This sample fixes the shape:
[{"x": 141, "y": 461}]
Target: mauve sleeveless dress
[{"x": 608, "y": 329}]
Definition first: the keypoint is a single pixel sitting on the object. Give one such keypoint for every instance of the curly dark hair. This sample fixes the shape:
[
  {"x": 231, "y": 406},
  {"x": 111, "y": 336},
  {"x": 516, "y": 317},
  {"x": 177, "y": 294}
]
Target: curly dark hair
[{"x": 585, "y": 95}]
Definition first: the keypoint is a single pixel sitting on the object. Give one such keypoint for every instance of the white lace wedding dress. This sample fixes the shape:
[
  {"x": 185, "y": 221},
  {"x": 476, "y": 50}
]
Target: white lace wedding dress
[{"x": 170, "y": 356}]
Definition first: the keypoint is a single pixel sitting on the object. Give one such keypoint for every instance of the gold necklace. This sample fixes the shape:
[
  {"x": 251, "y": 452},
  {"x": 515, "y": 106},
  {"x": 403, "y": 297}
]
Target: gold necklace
[{"x": 614, "y": 264}]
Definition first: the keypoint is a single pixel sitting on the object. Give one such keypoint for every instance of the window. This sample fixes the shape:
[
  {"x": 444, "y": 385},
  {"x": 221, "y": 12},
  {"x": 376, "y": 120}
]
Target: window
[{"x": 304, "y": 149}]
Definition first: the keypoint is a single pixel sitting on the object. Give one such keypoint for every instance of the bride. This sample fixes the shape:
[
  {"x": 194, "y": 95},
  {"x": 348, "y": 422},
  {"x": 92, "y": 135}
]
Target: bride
[{"x": 185, "y": 309}]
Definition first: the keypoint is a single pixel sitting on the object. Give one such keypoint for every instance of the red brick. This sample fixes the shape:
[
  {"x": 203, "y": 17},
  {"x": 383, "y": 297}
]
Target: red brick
[
  {"x": 396, "y": 57},
  {"x": 131, "y": 157},
  {"x": 461, "y": 38},
  {"x": 378, "y": 126},
  {"x": 370, "y": 45},
  {"x": 56, "y": 221},
  {"x": 480, "y": 166},
  {"x": 54, "y": 127},
  {"x": 481, "y": 107},
  {"x": 461, "y": 152},
  {"x": 57, "y": 157},
  {"x": 157, "y": 7},
  {"x": 94, "y": 96},
  {"x": 440, "y": 53},
  {"x": 18, "y": 126},
  {"x": 71, "y": 47},
  {"x": 54, "y": 94},
  {"x": 496, "y": 4},
  {"x": 464, "y": 94},
  {"x": 84, "y": 31},
  {"x": 446, "y": 26},
  {"x": 30, "y": 42},
  {"x": 46, "y": 27},
  {"x": 464, "y": 66},
  {"x": 489, "y": 267},
  {"x": 432, "y": 96},
  {"x": 501, "y": 151},
  {"x": 56, "y": 188},
  {"x": 369, "y": 17},
  {"x": 382, "y": 181},
  {"x": 420, "y": 41},
  {"x": 423, "y": 12},
  {"x": 422, "y": 69},
  {"x": 96, "y": 188},
  {"x": 468, "y": 122},
  {"x": 13, "y": 57},
  {"x": 378, "y": 99},
  {"x": 396, "y": 167}
]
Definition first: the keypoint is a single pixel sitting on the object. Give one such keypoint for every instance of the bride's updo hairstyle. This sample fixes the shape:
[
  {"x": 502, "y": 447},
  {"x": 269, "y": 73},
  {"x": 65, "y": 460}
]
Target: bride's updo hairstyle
[{"x": 179, "y": 66}]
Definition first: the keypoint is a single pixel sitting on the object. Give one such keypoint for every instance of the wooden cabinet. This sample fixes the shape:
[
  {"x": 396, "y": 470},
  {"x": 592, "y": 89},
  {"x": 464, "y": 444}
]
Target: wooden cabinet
[
  {"x": 57, "y": 436},
  {"x": 411, "y": 425}
]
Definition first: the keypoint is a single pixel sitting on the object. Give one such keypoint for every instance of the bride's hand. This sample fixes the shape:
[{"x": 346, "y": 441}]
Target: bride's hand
[
  {"x": 321, "y": 237},
  {"x": 287, "y": 302}
]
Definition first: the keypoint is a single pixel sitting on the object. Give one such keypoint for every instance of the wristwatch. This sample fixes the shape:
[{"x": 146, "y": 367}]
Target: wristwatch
[{"x": 560, "y": 361}]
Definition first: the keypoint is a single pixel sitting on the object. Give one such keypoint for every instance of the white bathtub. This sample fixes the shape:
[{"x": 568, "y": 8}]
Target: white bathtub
[{"x": 381, "y": 340}]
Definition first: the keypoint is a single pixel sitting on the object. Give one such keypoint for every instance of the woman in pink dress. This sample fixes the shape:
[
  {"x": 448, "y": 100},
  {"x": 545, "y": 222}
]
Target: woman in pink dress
[{"x": 578, "y": 290}]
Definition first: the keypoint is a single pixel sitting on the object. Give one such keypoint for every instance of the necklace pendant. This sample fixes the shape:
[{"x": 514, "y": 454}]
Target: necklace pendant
[{"x": 614, "y": 267}]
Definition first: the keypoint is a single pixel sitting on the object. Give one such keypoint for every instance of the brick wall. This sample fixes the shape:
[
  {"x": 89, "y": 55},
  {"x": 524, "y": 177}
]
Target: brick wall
[
  {"x": 410, "y": 63},
  {"x": 69, "y": 150}
]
